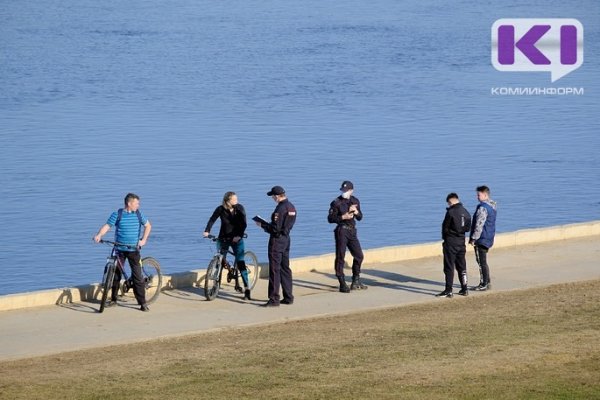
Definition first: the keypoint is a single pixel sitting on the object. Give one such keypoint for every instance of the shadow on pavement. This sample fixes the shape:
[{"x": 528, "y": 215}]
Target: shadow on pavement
[{"x": 398, "y": 279}]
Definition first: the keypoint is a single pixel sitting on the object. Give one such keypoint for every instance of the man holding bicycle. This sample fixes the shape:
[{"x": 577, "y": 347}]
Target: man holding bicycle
[
  {"x": 128, "y": 222},
  {"x": 233, "y": 226}
]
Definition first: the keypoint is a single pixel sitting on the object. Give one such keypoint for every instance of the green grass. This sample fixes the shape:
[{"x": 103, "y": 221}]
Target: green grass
[{"x": 532, "y": 344}]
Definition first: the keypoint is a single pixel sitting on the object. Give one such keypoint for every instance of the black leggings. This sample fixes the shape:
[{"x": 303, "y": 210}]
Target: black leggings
[{"x": 484, "y": 269}]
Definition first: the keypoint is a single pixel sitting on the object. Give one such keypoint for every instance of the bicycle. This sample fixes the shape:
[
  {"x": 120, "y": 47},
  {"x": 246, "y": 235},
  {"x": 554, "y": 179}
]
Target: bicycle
[
  {"x": 150, "y": 272},
  {"x": 219, "y": 262}
]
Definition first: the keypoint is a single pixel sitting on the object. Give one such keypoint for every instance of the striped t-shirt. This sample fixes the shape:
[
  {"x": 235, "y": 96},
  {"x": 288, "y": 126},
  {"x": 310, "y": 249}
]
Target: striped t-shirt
[{"x": 129, "y": 229}]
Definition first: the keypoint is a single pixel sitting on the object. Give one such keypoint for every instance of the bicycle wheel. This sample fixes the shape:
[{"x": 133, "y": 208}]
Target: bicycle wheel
[
  {"x": 212, "y": 279},
  {"x": 152, "y": 278},
  {"x": 252, "y": 267},
  {"x": 107, "y": 281}
]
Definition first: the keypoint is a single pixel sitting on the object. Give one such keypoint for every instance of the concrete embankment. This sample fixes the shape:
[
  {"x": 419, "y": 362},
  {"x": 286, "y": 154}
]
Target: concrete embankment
[{"x": 322, "y": 263}]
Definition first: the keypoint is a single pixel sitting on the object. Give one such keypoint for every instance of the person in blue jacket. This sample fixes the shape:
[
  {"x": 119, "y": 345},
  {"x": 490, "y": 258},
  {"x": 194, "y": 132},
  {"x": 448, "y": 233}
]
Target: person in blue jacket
[{"x": 483, "y": 231}]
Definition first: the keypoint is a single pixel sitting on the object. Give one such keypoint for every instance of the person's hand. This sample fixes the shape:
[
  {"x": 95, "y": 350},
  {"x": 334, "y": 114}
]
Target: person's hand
[
  {"x": 142, "y": 243},
  {"x": 205, "y": 234},
  {"x": 353, "y": 208},
  {"x": 347, "y": 216},
  {"x": 236, "y": 239},
  {"x": 97, "y": 238}
]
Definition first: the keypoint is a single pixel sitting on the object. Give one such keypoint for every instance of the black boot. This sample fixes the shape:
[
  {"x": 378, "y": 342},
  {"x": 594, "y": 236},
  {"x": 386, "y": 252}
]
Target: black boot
[
  {"x": 357, "y": 284},
  {"x": 343, "y": 287},
  {"x": 247, "y": 294}
]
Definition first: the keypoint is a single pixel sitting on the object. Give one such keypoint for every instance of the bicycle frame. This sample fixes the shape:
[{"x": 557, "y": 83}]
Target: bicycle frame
[
  {"x": 233, "y": 273},
  {"x": 118, "y": 261}
]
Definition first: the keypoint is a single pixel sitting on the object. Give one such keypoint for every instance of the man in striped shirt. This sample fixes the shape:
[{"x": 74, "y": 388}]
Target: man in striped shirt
[{"x": 128, "y": 223}]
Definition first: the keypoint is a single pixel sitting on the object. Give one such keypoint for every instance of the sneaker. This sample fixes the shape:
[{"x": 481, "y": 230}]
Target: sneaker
[
  {"x": 445, "y": 293},
  {"x": 480, "y": 288},
  {"x": 271, "y": 303},
  {"x": 111, "y": 303},
  {"x": 247, "y": 294},
  {"x": 144, "y": 308},
  {"x": 288, "y": 302},
  {"x": 464, "y": 292}
]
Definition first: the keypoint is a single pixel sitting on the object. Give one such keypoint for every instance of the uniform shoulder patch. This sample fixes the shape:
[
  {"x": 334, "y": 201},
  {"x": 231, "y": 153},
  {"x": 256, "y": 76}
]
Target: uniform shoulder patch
[{"x": 292, "y": 213}]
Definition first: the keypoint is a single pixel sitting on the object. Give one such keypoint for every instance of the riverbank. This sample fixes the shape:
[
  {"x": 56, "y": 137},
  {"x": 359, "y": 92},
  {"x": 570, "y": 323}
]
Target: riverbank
[
  {"x": 74, "y": 326},
  {"x": 322, "y": 263}
]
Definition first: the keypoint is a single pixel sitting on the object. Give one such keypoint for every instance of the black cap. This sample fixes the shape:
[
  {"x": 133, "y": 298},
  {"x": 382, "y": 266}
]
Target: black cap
[
  {"x": 346, "y": 185},
  {"x": 276, "y": 190}
]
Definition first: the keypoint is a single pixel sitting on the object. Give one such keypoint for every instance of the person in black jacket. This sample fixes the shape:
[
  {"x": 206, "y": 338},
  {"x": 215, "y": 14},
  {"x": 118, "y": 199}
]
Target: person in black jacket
[
  {"x": 456, "y": 223},
  {"x": 282, "y": 221},
  {"x": 344, "y": 211},
  {"x": 233, "y": 226}
]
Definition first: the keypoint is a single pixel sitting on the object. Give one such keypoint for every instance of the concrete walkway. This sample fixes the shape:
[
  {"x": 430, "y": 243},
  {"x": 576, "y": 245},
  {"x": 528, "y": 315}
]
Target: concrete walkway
[{"x": 55, "y": 329}]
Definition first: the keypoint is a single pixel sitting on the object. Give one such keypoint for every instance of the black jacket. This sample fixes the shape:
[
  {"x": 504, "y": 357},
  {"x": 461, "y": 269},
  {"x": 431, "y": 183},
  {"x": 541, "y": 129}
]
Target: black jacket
[
  {"x": 339, "y": 207},
  {"x": 232, "y": 223},
  {"x": 282, "y": 220},
  {"x": 456, "y": 223}
]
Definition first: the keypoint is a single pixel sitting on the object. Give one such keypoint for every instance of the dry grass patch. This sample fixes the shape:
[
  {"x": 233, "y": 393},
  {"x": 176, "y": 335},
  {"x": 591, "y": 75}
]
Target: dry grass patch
[{"x": 539, "y": 343}]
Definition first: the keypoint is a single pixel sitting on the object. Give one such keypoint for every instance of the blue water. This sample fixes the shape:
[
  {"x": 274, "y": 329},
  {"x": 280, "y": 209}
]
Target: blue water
[{"x": 180, "y": 101}]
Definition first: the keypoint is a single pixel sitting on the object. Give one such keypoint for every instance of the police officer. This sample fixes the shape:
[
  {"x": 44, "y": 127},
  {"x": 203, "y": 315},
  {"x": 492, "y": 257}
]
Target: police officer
[
  {"x": 345, "y": 211},
  {"x": 457, "y": 222},
  {"x": 282, "y": 221}
]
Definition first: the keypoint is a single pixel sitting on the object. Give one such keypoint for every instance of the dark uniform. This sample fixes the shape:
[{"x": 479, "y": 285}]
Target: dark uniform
[
  {"x": 346, "y": 237},
  {"x": 280, "y": 274},
  {"x": 456, "y": 223}
]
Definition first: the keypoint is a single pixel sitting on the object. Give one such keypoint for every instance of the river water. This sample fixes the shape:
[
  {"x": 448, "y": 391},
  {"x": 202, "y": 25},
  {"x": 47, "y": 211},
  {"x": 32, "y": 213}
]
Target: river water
[{"x": 180, "y": 101}]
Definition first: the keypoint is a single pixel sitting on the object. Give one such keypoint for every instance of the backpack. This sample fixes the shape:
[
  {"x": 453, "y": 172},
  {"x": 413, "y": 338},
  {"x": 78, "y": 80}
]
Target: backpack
[{"x": 120, "y": 215}]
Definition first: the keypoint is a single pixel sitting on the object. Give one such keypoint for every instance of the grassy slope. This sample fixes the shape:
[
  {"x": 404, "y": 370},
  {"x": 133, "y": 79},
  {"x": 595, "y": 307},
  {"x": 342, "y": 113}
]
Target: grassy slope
[{"x": 539, "y": 343}]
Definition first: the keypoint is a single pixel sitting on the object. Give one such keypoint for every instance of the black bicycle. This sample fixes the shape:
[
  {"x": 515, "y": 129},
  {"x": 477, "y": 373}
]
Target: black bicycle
[
  {"x": 150, "y": 272},
  {"x": 219, "y": 262}
]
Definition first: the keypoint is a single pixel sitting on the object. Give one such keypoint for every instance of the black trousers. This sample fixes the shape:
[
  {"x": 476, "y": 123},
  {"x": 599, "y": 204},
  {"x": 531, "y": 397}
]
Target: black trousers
[
  {"x": 139, "y": 289},
  {"x": 280, "y": 274},
  {"x": 454, "y": 258},
  {"x": 484, "y": 269},
  {"x": 347, "y": 238}
]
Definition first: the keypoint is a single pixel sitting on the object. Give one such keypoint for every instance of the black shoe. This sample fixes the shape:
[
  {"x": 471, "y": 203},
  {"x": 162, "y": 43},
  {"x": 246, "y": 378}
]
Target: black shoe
[
  {"x": 357, "y": 284},
  {"x": 112, "y": 303},
  {"x": 344, "y": 288},
  {"x": 288, "y": 302},
  {"x": 247, "y": 294},
  {"x": 480, "y": 288},
  {"x": 445, "y": 293},
  {"x": 464, "y": 292},
  {"x": 271, "y": 303},
  {"x": 144, "y": 308}
]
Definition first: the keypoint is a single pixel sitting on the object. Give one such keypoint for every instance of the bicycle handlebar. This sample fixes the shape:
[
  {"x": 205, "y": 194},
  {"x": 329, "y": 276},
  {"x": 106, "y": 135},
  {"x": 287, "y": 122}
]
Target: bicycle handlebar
[
  {"x": 215, "y": 238},
  {"x": 118, "y": 244}
]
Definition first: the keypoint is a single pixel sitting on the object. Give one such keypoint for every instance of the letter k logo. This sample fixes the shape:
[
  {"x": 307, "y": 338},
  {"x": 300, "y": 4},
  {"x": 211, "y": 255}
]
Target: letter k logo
[
  {"x": 544, "y": 44},
  {"x": 506, "y": 48}
]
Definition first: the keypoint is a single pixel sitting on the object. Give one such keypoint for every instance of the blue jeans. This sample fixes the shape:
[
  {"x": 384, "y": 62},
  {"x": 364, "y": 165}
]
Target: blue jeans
[{"x": 238, "y": 248}]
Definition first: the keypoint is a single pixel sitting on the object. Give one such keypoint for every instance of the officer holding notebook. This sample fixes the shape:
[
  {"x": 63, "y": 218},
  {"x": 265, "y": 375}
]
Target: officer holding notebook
[{"x": 282, "y": 221}]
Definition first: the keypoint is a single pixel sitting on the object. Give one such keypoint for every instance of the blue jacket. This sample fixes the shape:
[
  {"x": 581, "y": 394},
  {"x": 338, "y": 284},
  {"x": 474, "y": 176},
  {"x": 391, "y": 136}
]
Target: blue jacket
[{"x": 483, "y": 228}]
